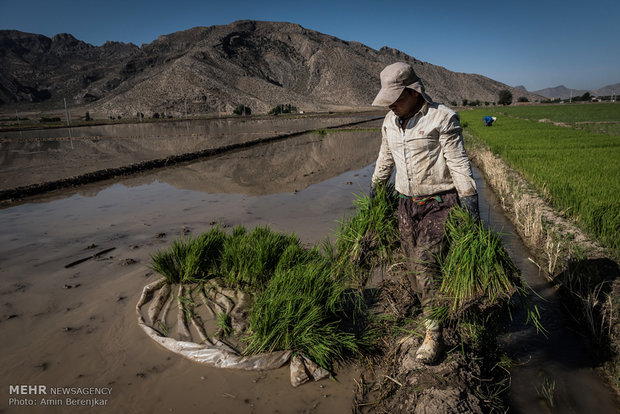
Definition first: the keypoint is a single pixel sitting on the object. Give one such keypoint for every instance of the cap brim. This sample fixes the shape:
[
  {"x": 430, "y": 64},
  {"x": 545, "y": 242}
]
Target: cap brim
[{"x": 387, "y": 96}]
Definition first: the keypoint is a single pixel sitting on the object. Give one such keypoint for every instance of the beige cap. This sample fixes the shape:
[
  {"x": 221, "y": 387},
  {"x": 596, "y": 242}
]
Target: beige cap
[{"x": 394, "y": 79}]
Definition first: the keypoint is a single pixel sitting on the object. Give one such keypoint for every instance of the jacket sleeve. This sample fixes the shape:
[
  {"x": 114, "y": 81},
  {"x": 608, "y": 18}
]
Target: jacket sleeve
[
  {"x": 385, "y": 161},
  {"x": 451, "y": 141}
]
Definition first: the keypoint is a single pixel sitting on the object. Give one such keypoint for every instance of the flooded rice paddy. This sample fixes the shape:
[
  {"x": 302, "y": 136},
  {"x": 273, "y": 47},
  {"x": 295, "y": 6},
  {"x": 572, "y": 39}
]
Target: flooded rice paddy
[{"x": 77, "y": 327}]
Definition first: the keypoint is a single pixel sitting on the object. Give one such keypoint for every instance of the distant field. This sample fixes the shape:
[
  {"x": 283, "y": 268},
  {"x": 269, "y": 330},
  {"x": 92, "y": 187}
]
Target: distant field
[
  {"x": 580, "y": 170},
  {"x": 566, "y": 113}
]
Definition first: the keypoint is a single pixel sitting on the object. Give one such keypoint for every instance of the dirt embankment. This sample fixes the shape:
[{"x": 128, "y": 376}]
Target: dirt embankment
[{"x": 466, "y": 378}]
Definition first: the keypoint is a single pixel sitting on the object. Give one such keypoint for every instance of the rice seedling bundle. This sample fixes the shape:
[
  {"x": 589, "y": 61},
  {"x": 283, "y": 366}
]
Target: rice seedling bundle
[
  {"x": 370, "y": 236},
  {"x": 190, "y": 259},
  {"x": 476, "y": 268},
  {"x": 299, "y": 310},
  {"x": 249, "y": 259}
]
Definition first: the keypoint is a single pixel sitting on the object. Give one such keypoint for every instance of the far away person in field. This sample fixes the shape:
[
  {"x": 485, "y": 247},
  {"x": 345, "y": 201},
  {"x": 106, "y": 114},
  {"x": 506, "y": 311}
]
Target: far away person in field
[
  {"x": 488, "y": 120},
  {"x": 423, "y": 140}
]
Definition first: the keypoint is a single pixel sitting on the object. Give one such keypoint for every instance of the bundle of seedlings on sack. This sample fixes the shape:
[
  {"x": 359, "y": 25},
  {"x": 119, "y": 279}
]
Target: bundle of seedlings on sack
[
  {"x": 477, "y": 275},
  {"x": 303, "y": 309},
  {"x": 367, "y": 238},
  {"x": 249, "y": 259},
  {"x": 190, "y": 259},
  {"x": 295, "y": 302}
]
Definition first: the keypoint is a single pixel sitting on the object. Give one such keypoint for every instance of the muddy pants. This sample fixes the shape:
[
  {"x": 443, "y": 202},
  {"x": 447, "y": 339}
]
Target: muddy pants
[{"x": 421, "y": 229}]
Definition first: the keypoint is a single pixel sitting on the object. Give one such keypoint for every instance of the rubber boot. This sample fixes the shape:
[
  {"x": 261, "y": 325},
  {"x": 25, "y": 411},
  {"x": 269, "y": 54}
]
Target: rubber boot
[{"x": 431, "y": 347}]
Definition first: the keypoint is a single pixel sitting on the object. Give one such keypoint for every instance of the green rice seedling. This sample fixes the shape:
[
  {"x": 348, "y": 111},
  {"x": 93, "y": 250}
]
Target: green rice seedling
[
  {"x": 477, "y": 274},
  {"x": 177, "y": 261},
  {"x": 368, "y": 238},
  {"x": 299, "y": 310},
  {"x": 224, "y": 324},
  {"x": 162, "y": 328},
  {"x": 187, "y": 305},
  {"x": 189, "y": 260},
  {"x": 249, "y": 259},
  {"x": 547, "y": 392},
  {"x": 295, "y": 254},
  {"x": 492, "y": 394},
  {"x": 166, "y": 263},
  {"x": 476, "y": 265}
]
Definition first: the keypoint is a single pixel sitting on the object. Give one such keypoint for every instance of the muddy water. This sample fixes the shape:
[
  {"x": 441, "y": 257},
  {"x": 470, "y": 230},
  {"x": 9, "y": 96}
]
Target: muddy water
[
  {"x": 560, "y": 359},
  {"x": 47, "y": 155},
  {"x": 76, "y": 327}
]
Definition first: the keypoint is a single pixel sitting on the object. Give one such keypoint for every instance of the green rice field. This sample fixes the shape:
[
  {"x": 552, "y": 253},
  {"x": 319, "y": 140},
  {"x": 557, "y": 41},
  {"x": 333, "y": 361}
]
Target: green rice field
[
  {"x": 598, "y": 118},
  {"x": 567, "y": 113},
  {"x": 579, "y": 170}
]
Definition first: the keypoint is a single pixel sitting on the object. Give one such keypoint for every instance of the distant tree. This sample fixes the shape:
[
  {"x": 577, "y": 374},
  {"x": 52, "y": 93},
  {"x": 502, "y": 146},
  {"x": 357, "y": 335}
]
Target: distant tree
[
  {"x": 453, "y": 103},
  {"x": 465, "y": 101},
  {"x": 156, "y": 115},
  {"x": 586, "y": 96},
  {"x": 283, "y": 109},
  {"x": 486, "y": 103},
  {"x": 46, "y": 119},
  {"x": 505, "y": 97},
  {"x": 242, "y": 110},
  {"x": 522, "y": 99},
  {"x": 87, "y": 117}
]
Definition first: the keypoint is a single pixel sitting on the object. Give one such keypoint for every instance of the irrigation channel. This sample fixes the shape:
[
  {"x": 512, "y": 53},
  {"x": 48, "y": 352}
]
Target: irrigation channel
[{"x": 76, "y": 327}]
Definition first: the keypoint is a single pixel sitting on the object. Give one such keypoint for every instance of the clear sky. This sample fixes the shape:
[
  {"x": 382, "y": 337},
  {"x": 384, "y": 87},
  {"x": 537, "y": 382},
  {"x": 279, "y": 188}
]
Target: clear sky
[{"x": 538, "y": 44}]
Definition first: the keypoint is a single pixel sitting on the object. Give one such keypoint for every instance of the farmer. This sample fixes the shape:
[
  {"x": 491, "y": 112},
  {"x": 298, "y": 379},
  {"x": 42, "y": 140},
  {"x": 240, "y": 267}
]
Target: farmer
[
  {"x": 423, "y": 140},
  {"x": 488, "y": 120}
]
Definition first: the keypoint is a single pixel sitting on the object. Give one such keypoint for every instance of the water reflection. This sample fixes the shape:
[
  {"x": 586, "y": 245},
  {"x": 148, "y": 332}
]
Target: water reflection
[
  {"x": 284, "y": 166},
  {"x": 31, "y": 161}
]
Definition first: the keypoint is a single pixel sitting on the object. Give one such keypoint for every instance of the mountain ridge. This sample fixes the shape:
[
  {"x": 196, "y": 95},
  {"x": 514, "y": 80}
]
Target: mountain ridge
[
  {"x": 215, "y": 68},
  {"x": 562, "y": 92}
]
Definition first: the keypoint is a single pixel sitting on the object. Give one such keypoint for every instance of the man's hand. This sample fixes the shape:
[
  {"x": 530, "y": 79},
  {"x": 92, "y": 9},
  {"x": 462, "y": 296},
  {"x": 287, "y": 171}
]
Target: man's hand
[{"x": 470, "y": 204}]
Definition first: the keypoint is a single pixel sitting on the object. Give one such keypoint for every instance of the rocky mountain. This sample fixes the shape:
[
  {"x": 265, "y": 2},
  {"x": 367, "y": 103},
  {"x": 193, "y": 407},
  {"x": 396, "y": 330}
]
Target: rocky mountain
[
  {"x": 216, "y": 68},
  {"x": 35, "y": 68}
]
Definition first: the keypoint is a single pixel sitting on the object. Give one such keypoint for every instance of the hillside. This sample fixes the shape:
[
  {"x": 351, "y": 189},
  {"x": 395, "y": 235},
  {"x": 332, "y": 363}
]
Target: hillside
[{"x": 259, "y": 64}]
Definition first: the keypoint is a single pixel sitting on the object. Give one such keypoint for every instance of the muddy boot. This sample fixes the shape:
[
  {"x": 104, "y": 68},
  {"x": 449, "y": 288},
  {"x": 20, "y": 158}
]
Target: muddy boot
[{"x": 431, "y": 347}]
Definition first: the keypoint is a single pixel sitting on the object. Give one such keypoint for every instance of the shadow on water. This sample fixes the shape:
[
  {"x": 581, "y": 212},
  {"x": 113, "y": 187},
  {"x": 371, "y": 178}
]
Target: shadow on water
[{"x": 558, "y": 364}]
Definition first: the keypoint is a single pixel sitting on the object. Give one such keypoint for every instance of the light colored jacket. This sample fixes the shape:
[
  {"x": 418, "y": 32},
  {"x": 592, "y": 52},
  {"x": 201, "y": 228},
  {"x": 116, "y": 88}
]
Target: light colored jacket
[{"x": 429, "y": 155}]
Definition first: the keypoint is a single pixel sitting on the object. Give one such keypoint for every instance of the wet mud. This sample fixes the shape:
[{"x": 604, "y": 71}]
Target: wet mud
[{"x": 70, "y": 322}]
